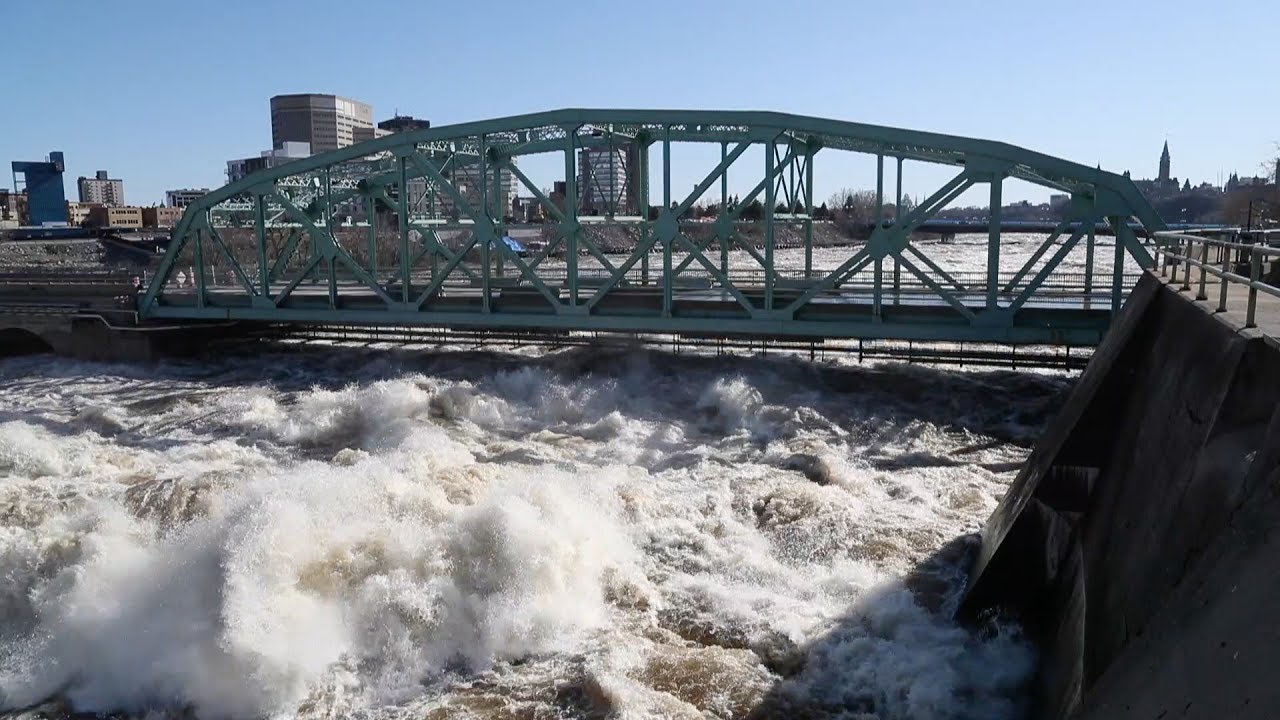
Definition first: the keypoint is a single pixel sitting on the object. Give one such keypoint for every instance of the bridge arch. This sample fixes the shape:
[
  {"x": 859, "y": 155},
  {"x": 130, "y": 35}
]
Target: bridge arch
[
  {"x": 413, "y": 229},
  {"x": 16, "y": 341}
]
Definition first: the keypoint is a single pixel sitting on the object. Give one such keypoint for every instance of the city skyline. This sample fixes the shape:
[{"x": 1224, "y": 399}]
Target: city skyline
[{"x": 221, "y": 109}]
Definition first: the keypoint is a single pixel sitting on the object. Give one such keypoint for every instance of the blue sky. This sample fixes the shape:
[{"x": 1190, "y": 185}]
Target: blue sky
[{"x": 163, "y": 93}]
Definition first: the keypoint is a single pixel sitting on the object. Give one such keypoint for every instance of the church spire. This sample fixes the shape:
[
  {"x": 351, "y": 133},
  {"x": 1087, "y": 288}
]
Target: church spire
[{"x": 1164, "y": 163}]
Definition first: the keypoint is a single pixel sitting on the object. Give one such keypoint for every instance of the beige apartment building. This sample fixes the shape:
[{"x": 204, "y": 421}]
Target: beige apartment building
[
  {"x": 78, "y": 212},
  {"x": 161, "y": 217},
  {"x": 119, "y": 217}
]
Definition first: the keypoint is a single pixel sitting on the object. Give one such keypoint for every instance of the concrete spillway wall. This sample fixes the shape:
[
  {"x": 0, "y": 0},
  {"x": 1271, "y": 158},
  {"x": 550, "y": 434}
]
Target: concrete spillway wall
[
  {"x": 1140, "y": 545},
  {"x": 90, "y": 336}
]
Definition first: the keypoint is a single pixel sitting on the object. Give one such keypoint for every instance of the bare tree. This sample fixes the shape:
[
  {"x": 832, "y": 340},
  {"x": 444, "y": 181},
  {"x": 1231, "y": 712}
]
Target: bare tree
[{"x": 853, "y": 211}]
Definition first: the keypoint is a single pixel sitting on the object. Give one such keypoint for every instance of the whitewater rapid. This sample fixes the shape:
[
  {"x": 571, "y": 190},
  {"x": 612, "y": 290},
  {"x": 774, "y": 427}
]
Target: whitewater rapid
[{"x": 584, "y": 533}]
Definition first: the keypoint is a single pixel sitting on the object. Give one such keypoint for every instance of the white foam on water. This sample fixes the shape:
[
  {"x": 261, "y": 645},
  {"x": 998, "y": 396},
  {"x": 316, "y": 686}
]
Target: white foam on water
[{"x": 576, "y": 532}]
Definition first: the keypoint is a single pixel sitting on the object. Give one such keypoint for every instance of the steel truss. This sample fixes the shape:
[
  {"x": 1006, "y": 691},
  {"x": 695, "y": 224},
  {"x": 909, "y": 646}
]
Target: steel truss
[{"x": 406, "y": 230}]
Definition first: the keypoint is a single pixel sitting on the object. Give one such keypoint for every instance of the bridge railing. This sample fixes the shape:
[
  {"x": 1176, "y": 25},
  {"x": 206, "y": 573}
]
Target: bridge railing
[{"x": 1233, "y": 256}]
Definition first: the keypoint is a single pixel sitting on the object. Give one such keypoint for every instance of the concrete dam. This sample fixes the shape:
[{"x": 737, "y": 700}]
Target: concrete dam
[{"x": 1138, "y": 545}]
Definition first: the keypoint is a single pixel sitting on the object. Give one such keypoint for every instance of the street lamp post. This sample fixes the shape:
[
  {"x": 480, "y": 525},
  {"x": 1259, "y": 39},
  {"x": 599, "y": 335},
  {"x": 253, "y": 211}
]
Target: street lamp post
[{"x": 1248, "y": 223}]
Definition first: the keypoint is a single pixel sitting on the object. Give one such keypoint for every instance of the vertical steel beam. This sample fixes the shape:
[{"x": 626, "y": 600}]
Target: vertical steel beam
[
  {"x": 666, "y": 209},
  {"x": 331, "y": 261},
  {"x": 789, "y": 189},
  {"x": 1121, "y": 226},
  {"x": 897, "y": 222},
  {"x": 724, "y": 208},
  {"x": 500, "y": 210},
  {"x": 642, "y": 157},
  {"x": 404, "y": 231},
  {"x": 993, "y": 242},
  {"x": 877, "y": 290},
  {"x": 486, "y": 235},
  {"x": 770, "y": 194},
  {"x": 199, "y": 265},
  {"x": 1088, "y": 256},
  {"x": 260, "y": 227},
  {"x": 571, "y": 212},
  {"x": 372, "y": 212},
  {"x": 808, "y": 205},
  {"x": 433, "y": 212}
]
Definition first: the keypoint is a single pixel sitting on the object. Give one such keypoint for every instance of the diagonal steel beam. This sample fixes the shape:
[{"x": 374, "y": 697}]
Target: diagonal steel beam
[
  {"x": 595, "y": 251},
  {"x": 543, "y": 200},
  {"x": 291, "y": 247},
  {"x": 1040, "y": 251},
  {"x": 426, "y": 168},
  {"x": 688, "y": 260},
  {"x": 747, "y": 247},
  {"x": 288, "y": 290},
  {"x": 545, "y": 252},
  {"x": 181, "y": 235},
  {"x": 528, "y": 272},
  {"x": 938, "y": 290},
  {"x": 832, "y": 278},
  {"x": 430, "y": 242},
  {"x": 336, "y": 251},
  {"x": 448, "y": 268},
  {"x": 761, "y": 186},
  {"x": 1049, "y": 267},
  {"x": 642, "y": 250},
  {"x": 935, "y": 202},
  {"x": 226, "y": 253},
  {"x": 715, "y": 272},
  {"x": 711, "y": 177},
  {"x": 617, "y": 275},
  {"x": 935, "y": 267}
]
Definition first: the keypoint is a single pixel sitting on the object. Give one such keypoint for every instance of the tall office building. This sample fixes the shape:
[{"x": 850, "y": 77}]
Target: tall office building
[
  {"x": 325, "y": 122},
  {"x": 101, "y": 190},
  {"x": 608, "y": 179}
]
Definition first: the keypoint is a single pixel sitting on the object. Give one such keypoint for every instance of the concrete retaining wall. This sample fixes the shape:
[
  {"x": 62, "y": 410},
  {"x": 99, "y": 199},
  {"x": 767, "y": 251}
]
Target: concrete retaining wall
[
  {"x": 90, "y": 337},
  {"x": 1137, "y": 543}
]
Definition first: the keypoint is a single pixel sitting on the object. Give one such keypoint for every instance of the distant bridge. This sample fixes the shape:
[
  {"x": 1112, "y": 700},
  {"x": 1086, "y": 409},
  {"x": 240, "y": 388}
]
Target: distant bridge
[
  {"x": 404, "y": 231},
  {"x": 951, "y": 228}
]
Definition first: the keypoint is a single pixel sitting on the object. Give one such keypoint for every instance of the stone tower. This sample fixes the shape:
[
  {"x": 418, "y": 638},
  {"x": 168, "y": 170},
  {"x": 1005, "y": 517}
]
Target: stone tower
[{"x": 1164, "y": 163}]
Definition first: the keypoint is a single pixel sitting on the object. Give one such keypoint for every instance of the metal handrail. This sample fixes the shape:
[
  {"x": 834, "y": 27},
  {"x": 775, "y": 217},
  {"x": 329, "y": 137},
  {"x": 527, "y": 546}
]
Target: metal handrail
[{"x": 1181, "y": 249}]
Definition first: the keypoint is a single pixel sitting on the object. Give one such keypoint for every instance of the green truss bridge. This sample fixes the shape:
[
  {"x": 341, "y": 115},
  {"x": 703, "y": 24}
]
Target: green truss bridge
[{"x": 414, "y": 230}]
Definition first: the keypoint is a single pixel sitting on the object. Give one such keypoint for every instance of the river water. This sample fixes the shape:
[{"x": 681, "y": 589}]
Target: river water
[{"x": 586, "y": 533}]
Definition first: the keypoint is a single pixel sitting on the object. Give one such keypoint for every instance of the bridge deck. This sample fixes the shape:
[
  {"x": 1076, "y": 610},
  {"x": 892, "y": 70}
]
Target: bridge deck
[{"x": 912, "y": 313}]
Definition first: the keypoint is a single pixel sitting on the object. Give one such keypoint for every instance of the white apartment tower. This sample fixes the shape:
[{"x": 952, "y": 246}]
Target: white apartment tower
[{"x": 101, "y": 190}]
